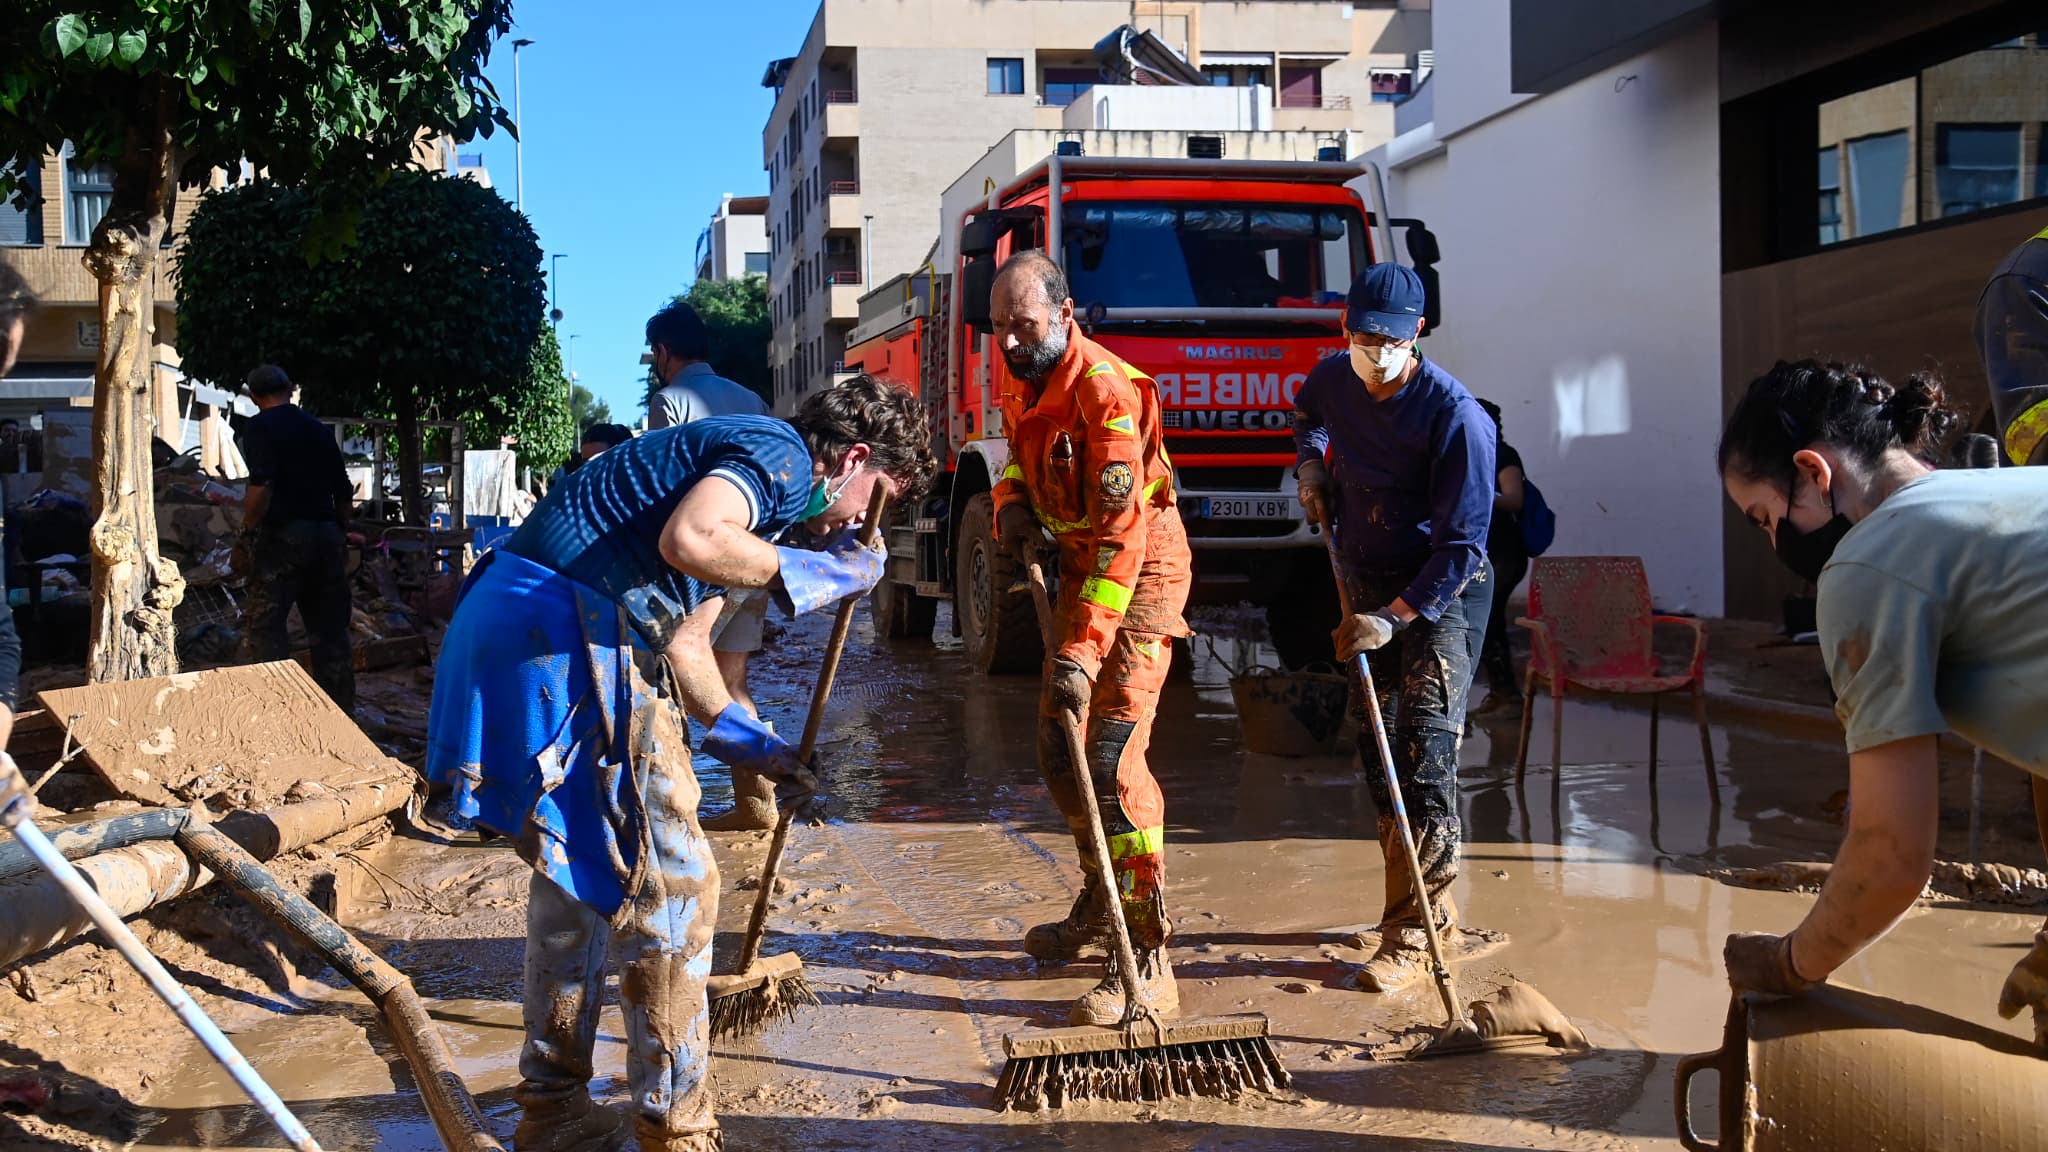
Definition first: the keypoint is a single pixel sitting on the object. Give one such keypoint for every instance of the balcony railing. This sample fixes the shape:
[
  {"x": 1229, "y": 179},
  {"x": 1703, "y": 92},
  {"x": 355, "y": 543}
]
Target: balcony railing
[
  {"x": 846, "y": 277},
  {"x": 843, "y": 188},
  {"x": 1330, "y": 103},
  {"x": 841, "y": 96}
]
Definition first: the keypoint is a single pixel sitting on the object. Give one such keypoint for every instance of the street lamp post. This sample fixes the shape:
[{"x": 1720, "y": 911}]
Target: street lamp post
[
  {"x": 554, "y": 298},
  {"x": 519, "y": 137}
]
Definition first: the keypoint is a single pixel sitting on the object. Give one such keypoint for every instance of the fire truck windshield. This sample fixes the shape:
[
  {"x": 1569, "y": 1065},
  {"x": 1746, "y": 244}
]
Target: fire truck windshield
[{"x": 1171, "y": 254}]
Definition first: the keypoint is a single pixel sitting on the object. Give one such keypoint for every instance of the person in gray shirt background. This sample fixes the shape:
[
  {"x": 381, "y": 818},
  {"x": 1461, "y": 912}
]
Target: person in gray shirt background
[{"x": 690, "y": 389}]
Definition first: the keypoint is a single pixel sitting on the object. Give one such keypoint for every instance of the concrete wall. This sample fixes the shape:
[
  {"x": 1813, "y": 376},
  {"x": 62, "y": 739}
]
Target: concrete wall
[
  {"x": 1581, "y": 287},
  {"x": 1129, "y": 107}
]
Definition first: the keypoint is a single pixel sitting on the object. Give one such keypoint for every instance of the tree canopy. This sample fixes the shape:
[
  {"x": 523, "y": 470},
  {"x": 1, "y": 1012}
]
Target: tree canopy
[
  {"x": 736, "y": 314},
  {"x": 343, "y": 89},
  {"x": 434, "y": 312}
]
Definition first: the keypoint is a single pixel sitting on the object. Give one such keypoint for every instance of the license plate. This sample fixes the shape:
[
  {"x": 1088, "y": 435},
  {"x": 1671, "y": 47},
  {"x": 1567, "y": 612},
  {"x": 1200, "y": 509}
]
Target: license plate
[{"x": 1250, "y": 508}]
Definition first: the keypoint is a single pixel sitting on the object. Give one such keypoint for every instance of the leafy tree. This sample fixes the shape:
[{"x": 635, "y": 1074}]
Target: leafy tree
[
  {"x": 165, "y": 91},
  {"x": 586, "y": 409},
  {"x": 433, "y": 312},
  {"x": 536, "y": 413},
  {"x": 736, "y": 314}
]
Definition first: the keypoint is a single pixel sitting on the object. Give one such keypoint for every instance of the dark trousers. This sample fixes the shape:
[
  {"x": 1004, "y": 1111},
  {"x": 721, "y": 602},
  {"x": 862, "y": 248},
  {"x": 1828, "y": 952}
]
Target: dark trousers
[
  {"x": 1422, "y": 678},
  {"x": 303, "y": 562},
  {"x": 1509, "y": 567}
]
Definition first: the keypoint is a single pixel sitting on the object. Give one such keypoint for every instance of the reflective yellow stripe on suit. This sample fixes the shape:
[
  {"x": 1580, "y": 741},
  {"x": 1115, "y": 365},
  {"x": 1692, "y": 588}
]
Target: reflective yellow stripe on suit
[
  {"x": 1143, "y": 842},
  {"x": 1106, "y": 592}
]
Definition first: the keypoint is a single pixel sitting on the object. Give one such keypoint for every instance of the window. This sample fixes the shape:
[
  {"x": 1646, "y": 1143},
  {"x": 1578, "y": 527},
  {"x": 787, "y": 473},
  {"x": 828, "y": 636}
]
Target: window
[
  {"x": 1878, "y": 166},
  {"x": 88, "y": 191},
  {"x": 1063, "y": 86},
  {"x": 1005, "y": 76},
  {"x": 1301, "y": 85},
  {"x": 757, "y": 263},
  {"x": 22, "y": 226},
  {"x": 1830, "y": 195},
  {"x": 1168, "y": 255},
  {"x": 1976, "y": 166}
]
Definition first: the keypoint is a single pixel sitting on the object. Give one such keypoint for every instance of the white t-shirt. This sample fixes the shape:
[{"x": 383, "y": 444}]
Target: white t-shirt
[{"x": 1933, "y": 615}]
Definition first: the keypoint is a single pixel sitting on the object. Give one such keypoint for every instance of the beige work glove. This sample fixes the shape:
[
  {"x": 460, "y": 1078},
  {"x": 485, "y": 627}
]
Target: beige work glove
[
  {"x": 1017, "y": 531},
  {"x": 2027, "y": 987},
  {"x": 1761, "y": 962}
]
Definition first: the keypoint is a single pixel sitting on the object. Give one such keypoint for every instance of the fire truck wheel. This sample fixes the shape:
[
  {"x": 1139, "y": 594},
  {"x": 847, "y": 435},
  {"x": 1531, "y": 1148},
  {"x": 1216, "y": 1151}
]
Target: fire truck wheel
[
  {"x": 999, "y": 627},
  {"x": 901, "y": 614}
]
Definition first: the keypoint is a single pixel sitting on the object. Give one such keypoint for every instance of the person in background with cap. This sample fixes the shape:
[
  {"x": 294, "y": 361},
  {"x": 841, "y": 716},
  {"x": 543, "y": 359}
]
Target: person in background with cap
[
  {"x": 294, "y": 547},
  {"x": 1399, "y": 457}
]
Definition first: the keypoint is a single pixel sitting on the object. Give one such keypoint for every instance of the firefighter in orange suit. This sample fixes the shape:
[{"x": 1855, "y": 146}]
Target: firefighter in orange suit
[{"x": 1087, "y": 466}]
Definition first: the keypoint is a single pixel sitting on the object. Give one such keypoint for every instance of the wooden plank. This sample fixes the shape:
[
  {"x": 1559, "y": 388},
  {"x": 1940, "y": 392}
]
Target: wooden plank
[{"x": 242, "y": 737}]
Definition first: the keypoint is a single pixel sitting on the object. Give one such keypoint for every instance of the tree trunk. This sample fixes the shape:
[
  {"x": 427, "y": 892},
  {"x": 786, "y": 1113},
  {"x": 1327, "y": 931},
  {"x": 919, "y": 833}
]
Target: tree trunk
[
  {"x": 411, "y": 477},
  {"x": 134, "y": 590}
]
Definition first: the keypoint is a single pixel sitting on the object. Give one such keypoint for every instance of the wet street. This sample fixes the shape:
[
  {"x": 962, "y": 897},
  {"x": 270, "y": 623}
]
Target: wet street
[{"x": 943, "y": 847}]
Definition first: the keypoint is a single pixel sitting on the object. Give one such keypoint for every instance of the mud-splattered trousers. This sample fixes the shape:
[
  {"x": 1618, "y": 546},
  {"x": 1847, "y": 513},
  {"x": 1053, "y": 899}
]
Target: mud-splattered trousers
[
  {"x": 1119, "y": 729},
  {"x": 1087, "y": 456},
  {"x": 1423, "y": 677},
  {"x": 551, "y": 732},
  {"x": 303, "y": 562}
]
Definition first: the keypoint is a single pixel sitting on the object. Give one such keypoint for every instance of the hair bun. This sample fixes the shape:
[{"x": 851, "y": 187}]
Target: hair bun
[{"x": 1920, "y": 413}]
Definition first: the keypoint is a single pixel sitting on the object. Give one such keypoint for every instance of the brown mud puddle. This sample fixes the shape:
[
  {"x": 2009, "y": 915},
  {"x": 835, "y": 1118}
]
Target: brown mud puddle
[{"x": 908, "y": 911}]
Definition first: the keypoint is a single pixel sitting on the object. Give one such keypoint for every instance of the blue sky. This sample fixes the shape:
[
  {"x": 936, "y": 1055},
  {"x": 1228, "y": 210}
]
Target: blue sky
[{"x": 637, "y": 115}]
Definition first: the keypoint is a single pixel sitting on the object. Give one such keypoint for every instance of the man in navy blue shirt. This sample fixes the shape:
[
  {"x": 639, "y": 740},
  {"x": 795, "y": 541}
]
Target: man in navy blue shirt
[
  {"x": 1401, "y": 457},
  {"x": 556, "y": 721}
]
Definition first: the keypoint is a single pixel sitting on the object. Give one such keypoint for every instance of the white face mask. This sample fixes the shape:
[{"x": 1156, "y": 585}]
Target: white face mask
[{"x": 1377, "y": 365}]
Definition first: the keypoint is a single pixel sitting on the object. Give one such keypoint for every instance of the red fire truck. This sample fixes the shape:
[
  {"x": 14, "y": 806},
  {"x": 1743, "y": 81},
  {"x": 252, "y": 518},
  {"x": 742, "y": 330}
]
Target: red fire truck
[{"x": 1222, "y": 279}]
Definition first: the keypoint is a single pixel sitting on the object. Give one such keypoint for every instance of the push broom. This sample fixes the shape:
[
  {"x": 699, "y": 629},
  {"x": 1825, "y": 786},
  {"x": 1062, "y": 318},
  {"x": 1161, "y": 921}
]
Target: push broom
[
  {"x": 764, "y": 989},
  {"x": 1142, "y": 1058},
  {"x": 1521, "y": 1017}
]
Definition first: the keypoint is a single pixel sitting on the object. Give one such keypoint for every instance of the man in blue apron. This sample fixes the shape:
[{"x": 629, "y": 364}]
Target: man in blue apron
[{"x": 555, "y": 721}]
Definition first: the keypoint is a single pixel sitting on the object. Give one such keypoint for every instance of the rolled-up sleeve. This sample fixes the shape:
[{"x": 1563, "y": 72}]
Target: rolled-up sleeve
[{"x": 1881, "y": 638}]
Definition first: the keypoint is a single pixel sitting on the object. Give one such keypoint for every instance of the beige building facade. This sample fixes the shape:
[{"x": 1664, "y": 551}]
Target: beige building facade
[
  {"x": 735, "y": 243},
  {"x": 888, "y": 102}
]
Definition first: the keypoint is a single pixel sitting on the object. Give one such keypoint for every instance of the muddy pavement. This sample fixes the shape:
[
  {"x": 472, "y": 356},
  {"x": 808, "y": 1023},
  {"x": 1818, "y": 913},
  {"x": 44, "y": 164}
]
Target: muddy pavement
[{"x": 908, "y": 909}]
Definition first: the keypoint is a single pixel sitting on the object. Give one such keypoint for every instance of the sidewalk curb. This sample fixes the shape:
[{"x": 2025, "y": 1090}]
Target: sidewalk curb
[{"x": 1790, "y": 719}]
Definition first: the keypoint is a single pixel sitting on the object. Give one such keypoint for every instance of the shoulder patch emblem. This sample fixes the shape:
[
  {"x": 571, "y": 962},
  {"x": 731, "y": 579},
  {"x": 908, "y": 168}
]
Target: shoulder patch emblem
[
  {"x": 1117, "y": 480},
  {"x": 1122, "y": 425}
]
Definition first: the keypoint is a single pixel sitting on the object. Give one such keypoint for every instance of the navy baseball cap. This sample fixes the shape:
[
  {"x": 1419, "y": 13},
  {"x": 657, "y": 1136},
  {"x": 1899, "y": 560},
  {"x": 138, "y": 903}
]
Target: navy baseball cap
[{"x": 1386, "y": 299}]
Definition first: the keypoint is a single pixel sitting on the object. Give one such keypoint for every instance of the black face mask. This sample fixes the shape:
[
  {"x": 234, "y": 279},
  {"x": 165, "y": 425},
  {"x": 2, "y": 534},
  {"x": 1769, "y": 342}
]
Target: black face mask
[{"x": 1806, "y": 553}]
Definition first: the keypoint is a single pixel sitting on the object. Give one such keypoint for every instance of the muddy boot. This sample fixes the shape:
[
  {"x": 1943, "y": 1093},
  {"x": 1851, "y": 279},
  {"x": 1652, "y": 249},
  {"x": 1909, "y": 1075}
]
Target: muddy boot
[
  {"x": 653, "y": 1139},
  {"x": 1402, "y": 960},
  {"x": 573, "y": 1123},
  {"x": 753, "y": 808},
  {"x": 1103, "y": 1005},
  {"x": 1087, "y": 924}
]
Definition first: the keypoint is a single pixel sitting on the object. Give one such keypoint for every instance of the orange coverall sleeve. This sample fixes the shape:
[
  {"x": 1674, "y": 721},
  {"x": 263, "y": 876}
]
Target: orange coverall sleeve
[
  {"x": 1112, "y": 481},
  {"x": 1009, "y": 486}
]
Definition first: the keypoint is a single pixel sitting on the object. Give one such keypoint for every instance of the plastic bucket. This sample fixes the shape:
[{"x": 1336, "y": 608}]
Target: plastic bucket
[
  {"x": 1839, "y": 1068},
  {"x": 1290, "y": 713}
]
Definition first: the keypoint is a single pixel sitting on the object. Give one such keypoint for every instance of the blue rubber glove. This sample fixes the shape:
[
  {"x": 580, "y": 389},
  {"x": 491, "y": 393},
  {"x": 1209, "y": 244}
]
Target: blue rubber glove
[
  {"x": 742, "y": 741},
  {"x": 812, "y": 580}
]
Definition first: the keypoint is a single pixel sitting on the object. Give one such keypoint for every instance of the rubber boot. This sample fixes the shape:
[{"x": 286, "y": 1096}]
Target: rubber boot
[
  {"x": 653, "y": 1139},
  {"x": 753, "y": 808},
  {"x": 1086, "y": 925},
  {"x": 1103, "y": 1005},
  {"x": 573, "y": 1123},
  {"x": 1403, "y": 959}
]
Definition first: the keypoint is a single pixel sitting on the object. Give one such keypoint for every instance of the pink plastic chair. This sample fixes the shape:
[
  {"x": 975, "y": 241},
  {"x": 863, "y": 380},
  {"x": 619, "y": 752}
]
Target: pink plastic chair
[{"x": 1590, "y": 625}]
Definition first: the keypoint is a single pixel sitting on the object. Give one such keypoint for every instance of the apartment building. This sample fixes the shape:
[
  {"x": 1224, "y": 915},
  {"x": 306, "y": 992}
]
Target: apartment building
[
  {"x": 735, "y": 243},
  {"x": 889, "y": 101}
]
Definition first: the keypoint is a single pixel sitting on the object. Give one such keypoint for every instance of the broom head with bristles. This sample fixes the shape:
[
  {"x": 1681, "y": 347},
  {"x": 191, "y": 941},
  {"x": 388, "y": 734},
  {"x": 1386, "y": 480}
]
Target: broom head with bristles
[
  {"x": 1222, "y": 1056},
  {"x": 772, "y": 988}
]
